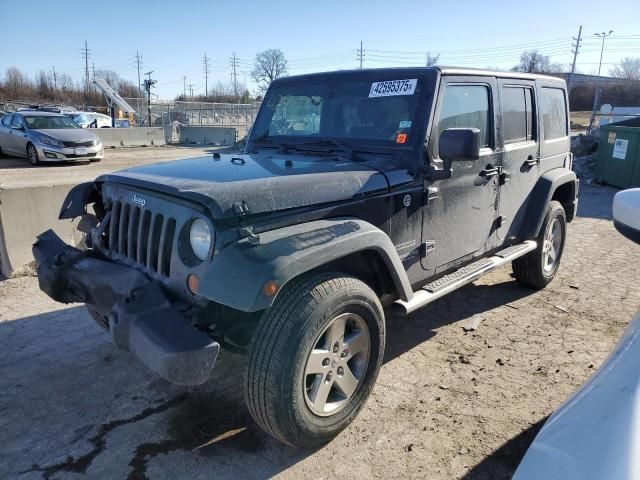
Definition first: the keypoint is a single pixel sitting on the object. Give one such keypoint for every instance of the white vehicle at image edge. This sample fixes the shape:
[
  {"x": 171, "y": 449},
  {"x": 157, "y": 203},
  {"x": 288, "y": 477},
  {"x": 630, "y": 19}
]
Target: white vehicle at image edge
[
  {"x": 47, "y": 137},
  {"x": 85, "y": 119},
  {"x": 596, "y": 433}
]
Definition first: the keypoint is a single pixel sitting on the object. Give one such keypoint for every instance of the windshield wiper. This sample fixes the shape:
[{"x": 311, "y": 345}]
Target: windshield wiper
[
  {"x": 345, "y": 149},
  {"x": 265, "y": 138}
]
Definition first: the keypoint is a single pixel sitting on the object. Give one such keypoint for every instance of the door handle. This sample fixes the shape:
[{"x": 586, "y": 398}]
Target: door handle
[
  {"x": 532, "y": 161},
  {"x": 490, "y": 172}
]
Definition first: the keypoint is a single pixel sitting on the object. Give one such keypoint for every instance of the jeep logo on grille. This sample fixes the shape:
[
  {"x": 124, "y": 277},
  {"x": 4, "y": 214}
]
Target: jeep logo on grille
[{"x": 141, "y": 202}]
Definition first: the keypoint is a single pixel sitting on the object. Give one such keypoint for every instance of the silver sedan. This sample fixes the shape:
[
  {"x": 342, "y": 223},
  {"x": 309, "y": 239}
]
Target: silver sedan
[{"x": 47, "y": 137}]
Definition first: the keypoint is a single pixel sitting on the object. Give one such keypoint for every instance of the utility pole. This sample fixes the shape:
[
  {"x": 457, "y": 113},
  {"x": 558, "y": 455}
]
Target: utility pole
[
  {"x": 184, "y": 87},
  {"x": 148, "y": 85},
  {"x": 596, "y": 96},
  {"x": 234, "y": 74},
  {"x": 207, "y": 71},
  {"x": 139, "y": 64},
  {"x": 55, "y": 78},
  {"x": 86, "y": 54},
  {"x": 191, "y": 85},
  {"x": 360, "y": 54},
  {"x": 93, "y": 69},
  {"x": 575, "y": 50}
]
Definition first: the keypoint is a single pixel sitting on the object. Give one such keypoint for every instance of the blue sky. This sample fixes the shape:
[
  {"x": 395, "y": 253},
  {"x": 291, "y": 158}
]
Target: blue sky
[{"x": 173, "y": 36}]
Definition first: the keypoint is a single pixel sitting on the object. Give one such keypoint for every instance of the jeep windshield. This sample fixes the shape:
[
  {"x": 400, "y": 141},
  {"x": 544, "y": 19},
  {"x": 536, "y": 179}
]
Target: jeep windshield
[{"x": 340, "y": 112}]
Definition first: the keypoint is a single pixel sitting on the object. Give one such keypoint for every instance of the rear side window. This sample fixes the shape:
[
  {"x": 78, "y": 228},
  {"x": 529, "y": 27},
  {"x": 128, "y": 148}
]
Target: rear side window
[
  {"x": 16, "y": 122},
  {"x": 554, "y": 113},
  {"x": 466, "y": 106},
  {"x": 517, "y": 115},
  {"x": 6, "y": 120}
]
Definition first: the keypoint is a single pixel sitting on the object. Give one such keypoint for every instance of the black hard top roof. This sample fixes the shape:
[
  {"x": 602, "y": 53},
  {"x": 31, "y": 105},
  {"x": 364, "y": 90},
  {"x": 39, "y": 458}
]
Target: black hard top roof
[{"x": 440, "y": 69}]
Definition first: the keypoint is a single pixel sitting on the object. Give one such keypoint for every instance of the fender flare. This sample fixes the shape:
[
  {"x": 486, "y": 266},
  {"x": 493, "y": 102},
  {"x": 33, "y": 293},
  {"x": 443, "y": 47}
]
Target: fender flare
[
  {"x": 238, "y": 273},
  {"x": 542, "y": 194},
  {"x": 76, "y": 201}
]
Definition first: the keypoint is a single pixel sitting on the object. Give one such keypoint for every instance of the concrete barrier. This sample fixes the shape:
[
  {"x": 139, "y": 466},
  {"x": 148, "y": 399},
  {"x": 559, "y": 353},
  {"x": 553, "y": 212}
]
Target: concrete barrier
[
  {"x": 131, "y": 137},
  {"x": 208, "y": 135},
  {"x": 26, "y": 212}
]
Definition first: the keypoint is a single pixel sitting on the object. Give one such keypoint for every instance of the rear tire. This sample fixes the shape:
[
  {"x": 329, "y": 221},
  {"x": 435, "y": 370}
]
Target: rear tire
[
  {"x": 537, "y": 268},
  {"x": 32, "y": 155},
  {"x": 314, "y": 358}
]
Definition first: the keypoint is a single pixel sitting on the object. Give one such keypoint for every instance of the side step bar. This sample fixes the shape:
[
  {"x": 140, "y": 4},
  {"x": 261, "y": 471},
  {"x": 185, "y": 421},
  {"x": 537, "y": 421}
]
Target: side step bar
[{"x": 447, "y": 284}]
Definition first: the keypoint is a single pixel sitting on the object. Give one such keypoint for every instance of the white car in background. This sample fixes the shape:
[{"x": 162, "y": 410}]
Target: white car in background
[
  {"x": 85, "y": 119},
  {"x": 596, "y": 433}
]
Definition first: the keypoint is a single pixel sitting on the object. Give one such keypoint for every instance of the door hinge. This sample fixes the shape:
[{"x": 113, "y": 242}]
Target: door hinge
[{"x": 427, "y": 247}]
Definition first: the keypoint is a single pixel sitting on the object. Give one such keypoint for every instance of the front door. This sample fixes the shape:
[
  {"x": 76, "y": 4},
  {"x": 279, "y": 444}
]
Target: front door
[
  {"x": 520, "y": 154},
  {"x": 460, "y": 217}
]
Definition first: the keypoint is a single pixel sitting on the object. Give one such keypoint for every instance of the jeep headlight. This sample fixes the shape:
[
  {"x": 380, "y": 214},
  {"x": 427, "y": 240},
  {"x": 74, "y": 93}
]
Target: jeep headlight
[{"x": 200, "y": 238}]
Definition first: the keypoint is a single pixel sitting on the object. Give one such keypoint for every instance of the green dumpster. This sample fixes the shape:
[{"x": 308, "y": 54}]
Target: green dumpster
[{"x": 618, "y": 158}]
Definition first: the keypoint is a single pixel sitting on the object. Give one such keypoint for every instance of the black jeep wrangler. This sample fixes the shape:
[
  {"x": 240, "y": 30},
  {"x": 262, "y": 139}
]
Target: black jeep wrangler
[{"x": 356, "y": 190}]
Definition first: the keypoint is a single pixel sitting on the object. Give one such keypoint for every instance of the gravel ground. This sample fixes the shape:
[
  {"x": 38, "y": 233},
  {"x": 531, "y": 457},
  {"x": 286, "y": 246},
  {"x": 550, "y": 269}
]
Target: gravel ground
[{"x": 448, "y": 403}]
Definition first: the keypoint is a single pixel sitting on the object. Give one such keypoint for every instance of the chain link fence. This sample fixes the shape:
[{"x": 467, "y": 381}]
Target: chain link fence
[{"x": 240, "y": 116}]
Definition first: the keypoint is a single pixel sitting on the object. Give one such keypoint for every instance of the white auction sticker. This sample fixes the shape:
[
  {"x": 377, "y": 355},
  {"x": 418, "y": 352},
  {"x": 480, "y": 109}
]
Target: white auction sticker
[{"x": 390, "y": 88}]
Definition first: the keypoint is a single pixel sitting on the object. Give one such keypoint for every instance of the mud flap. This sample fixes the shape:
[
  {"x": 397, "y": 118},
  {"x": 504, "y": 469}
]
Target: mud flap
[{"x": 147, "y": 325}]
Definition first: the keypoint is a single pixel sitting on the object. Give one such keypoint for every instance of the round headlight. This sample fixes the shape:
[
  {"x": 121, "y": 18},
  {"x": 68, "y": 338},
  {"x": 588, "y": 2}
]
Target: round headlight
[{"x": 200, "y": 238}]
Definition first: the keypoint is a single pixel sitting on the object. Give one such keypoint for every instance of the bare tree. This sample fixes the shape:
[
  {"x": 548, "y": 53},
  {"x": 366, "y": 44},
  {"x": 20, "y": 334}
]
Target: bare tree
[
  {"x": 432, "y": 59},
  {"x": 16, "y": 83},
  {"x": 44, "y": 85},
  {"x": 267, "y": 66},
  {"x": 628, "y": 68},
  {"x": 534, "y": 62}
]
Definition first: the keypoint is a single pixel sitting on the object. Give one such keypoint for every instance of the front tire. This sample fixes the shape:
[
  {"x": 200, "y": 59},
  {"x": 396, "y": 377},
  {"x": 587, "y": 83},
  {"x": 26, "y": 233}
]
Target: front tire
[
  {"x": 537, "y": 268},
  {"x": 314, "y": 358},
  {"x": 32, "y": 155}
]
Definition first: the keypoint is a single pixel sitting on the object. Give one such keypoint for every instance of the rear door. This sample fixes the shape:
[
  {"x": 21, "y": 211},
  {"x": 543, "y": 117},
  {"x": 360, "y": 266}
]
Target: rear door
[
  {"x": 520, "y": 154},
  {"x": 459, "y": 221}
]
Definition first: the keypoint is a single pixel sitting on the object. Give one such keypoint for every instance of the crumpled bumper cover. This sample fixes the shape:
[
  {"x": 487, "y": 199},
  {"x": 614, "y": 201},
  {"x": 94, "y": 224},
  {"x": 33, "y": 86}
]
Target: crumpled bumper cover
[{"x": 141, "y": 317}]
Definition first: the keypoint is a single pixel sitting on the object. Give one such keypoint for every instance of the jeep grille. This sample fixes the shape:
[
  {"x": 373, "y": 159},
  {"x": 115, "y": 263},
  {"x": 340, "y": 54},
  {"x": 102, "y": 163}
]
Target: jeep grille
[{"x": 141, "y": 235}]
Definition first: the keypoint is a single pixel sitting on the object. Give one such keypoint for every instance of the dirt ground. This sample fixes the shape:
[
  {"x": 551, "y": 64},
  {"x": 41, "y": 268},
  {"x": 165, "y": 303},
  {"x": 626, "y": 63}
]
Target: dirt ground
[
  {"x": 448, "y": 403},
  {"x": 18, "y": 172}
]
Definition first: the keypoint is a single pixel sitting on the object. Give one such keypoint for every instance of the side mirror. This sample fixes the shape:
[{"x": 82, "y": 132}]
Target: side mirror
[
  {"x": 17, "y": 128},
  {"x": 626, "y": 213},
  {"x": 457, "y": 144}
]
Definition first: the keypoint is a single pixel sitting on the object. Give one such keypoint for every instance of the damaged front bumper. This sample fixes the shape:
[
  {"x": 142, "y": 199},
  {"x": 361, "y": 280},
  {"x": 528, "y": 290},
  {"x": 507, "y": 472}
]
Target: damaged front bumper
[{"x": 141, "y": 317}]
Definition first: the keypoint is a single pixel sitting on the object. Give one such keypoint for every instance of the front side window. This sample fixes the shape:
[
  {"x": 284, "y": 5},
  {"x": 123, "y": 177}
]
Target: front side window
[
  {"x": 554, "y": 113},
  {"x": 517, "y": 114},
  {"x": 467, "y": 106}
]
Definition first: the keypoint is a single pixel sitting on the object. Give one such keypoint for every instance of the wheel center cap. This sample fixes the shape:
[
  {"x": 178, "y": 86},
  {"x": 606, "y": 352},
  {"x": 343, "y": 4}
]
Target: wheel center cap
[{"x": 334, "y": 363}]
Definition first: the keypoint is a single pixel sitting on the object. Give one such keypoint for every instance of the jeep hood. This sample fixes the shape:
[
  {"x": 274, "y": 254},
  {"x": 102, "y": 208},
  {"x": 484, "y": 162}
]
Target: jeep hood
[{"x": 265, "y": 182}]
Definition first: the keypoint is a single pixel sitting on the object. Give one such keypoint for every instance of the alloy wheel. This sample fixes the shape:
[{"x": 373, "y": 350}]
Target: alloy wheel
[
  {"x": 336, "y": 364},
  {"x": 552, "y": 246}
]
